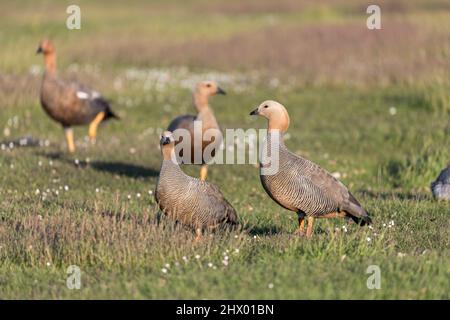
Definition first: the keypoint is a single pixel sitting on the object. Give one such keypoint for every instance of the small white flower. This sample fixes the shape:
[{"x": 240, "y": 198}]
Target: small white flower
[
  {"x": 37, "y": 191},
  {"x": 129, "y": 197},
  {"x": 164, "y": 270},
  {"x": 97, "y": 190},
  {"x": 48, "y": 264},
  {"x": 270, "y": 286},
  {"x": 393, "y": 111},
  {"x": 225, "y": 262},
  {"x": 66, "y": 188},
  {"x": 197, "y": 256},
  {"x": 138, "y": 195},
  {"x": 77, "y": 162},
  {"x": 167, "y": 265},
  {"x": 210, "y": 264},
  {"x": 236, "y": 250},
  {"x": 185, "y": 259},
  {"x": 150, "y": 192},
  {"x": 40, "y": 163},
  {"x": 368, "y": 239}
]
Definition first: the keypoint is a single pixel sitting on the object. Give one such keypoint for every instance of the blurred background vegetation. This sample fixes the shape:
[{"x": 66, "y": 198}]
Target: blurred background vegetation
[{"x": 371, "y": 106}]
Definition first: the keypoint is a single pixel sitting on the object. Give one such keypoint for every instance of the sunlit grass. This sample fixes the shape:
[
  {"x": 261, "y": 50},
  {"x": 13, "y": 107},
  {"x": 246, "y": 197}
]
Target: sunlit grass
[{"x": 386, "y": 137}]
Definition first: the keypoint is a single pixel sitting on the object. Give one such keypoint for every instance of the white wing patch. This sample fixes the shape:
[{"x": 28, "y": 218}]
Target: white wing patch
[{"x": 82, "y": 95}]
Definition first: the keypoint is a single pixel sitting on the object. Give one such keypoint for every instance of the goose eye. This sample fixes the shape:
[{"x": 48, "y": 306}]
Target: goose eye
[
  {"x": 208, "y": 85},
  {"x": 265, "y": 107}
]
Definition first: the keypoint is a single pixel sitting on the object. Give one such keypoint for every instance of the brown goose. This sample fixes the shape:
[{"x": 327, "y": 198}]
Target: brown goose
[
  {"x": 70, "y": 103},
  {"x": 300, "y": 185},
  {"x": 203, "y": 91},
  {"x": 188, "y": 200}
]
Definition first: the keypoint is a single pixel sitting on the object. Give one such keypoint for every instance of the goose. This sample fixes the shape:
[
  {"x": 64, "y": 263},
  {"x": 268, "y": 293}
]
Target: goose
[
  {"x": 70, "y": 103},
  {"x": 203, "y": 91},
  {"x": 299, "y": 184},
  {"x": 441, "y": 187},
  {"x": 188, "y": 200}
]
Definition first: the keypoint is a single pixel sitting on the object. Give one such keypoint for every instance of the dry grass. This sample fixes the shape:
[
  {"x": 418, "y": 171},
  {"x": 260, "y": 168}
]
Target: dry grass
[
  {"x": 96, "y": 209},
  {"x": 333, "y": 53}
]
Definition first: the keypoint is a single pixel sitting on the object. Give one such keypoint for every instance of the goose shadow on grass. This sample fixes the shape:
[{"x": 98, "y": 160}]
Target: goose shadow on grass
[
  {"x": 396, "y": 194},
  {"x": 124, "y": 169},
  {"x": 114, "y": 167},
  {"x": 261, "y": 230}
]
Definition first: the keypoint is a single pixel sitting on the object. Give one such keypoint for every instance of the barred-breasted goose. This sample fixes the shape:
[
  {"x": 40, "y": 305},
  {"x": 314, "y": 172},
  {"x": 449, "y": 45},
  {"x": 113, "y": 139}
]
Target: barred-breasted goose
[
  {"x": 300, "y": 185},
  {"x": 188, "y": 200}
]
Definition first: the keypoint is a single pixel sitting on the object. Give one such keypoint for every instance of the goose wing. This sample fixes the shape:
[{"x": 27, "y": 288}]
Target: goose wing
[{"x": 332, "y": 189}]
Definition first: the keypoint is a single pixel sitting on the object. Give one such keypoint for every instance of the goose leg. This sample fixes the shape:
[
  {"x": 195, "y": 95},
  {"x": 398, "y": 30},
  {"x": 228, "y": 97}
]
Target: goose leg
[
  {"x": 301, "y": 224},
  {"x": 94, "y": 124},
  {"x": 309, "y": 230},
  {"x": 69, "y": 138},
  {"x": 198, "y": 232},
  {"x": 203, "y": 172}
]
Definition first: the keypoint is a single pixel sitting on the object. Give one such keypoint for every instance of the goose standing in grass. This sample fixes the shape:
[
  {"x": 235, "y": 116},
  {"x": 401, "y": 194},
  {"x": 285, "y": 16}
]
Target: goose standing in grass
[
  {"x": 70, "y": 103},
  {"x": 188, "y": 200},
  {"x": 203, "y": 91},
  {"x": 441, "y": 187},
  {"x": 300, "y": 185}
]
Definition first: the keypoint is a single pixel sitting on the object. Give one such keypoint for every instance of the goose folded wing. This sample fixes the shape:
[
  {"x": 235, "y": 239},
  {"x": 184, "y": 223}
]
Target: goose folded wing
[{"x": 222, "y": 208}]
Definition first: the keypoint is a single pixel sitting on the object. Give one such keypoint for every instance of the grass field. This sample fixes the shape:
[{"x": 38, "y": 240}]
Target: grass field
[{"x": 371, "y": 106}]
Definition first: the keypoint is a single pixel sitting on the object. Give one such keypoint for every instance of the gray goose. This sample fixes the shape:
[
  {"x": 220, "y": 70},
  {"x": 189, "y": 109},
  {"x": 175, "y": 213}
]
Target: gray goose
[
  {"x": 203, "y": 91},
  {"x": 300, "y": 185},
  {"x": 441, "y": 187},
  {"x": 70, "y": 103},
  {"x": 188, "y": 200}
]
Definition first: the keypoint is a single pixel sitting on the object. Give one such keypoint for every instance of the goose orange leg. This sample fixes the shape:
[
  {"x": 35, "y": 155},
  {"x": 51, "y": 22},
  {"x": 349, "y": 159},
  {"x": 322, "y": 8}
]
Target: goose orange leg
[
  {"x": 301, "y": 225},
  {"x": 69, "y": 138},
  {"x": 309, "y": 230},
  {"x": 94, "y": 125},
  {"x": 203, "y": 172},
  {"x": 199, "y": 236}
]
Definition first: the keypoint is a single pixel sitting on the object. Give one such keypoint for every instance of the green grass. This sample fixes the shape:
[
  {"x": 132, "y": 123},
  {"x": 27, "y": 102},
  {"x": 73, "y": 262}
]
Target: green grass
[{"x": 58, "y": 210}]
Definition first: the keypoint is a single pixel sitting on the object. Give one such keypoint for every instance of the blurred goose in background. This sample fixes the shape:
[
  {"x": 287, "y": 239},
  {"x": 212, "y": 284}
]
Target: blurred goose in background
[
  {"x": 188, "y": 200},
  {"x": 203, "y": 91},
  {"x": 70, "y": 103},
  {"x": 441, "y": 187},
  {"x": 300, "y": 185}
]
